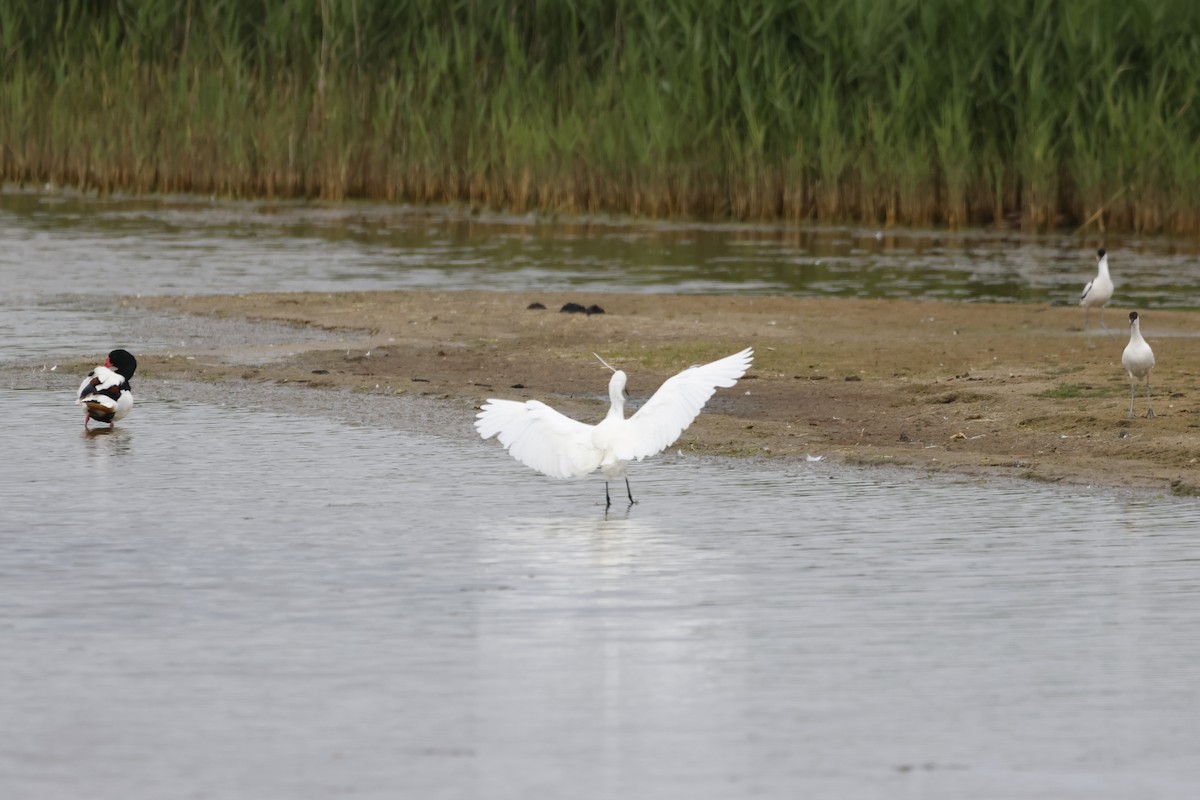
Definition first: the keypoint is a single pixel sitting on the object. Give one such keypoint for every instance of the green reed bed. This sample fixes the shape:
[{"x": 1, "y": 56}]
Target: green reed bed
[{"x": 876, "y": 111}]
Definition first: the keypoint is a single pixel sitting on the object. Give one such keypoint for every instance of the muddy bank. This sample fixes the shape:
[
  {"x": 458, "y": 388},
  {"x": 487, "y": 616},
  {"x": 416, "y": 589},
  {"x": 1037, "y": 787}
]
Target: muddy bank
[{"x": 984, "y": 389}]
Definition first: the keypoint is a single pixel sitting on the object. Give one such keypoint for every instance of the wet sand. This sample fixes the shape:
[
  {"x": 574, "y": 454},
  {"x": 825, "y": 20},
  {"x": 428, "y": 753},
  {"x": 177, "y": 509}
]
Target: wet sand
[{"x": 979, "y": 389}]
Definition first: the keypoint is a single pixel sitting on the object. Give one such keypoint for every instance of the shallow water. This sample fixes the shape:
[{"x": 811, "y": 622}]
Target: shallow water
[
  {"x": 224, "y": 601},
  {"x": 65, "y": 257},
  {"x": 228, "y": 596}
]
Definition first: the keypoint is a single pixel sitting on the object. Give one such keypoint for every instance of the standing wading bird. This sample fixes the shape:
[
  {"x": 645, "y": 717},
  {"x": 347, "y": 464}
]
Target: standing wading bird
[
  {"x": 105, "y": 393},
  {"x": 1138, "y": 360},
  {"x": 556, "y": 445},
  {"x": 1097, "y": 293}
]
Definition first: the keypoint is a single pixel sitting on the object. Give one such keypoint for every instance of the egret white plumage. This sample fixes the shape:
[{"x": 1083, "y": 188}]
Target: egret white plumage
[
  {"x": 560, "y": 447},
  {"x": 1097, "y": 293},
  {"x": 1138, "y": 360},
  {"x": 105, "y": 394}
]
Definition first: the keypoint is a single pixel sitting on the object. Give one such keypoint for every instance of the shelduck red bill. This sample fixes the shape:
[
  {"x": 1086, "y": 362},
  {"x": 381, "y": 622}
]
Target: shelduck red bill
[{"x": 106, "y": 394}]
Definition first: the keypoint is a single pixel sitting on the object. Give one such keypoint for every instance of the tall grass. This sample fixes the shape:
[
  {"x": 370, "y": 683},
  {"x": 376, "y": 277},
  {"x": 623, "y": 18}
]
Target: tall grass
[{"x": 874, "y": 111}]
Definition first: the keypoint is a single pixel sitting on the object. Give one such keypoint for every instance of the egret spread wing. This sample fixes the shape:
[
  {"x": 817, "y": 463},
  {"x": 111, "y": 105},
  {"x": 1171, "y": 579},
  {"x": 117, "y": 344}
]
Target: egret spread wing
[
  {"x": 677, "y": 403},
  {"x": 540, "y": 437}
]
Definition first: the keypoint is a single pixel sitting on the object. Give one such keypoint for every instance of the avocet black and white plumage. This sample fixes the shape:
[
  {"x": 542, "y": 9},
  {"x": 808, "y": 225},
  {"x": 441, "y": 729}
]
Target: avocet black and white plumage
[
  {"x": 1098, "y": 292},
  {"x": 556, "y": 445},
  {"x": 1138, "y": 360},
  {"x": 105, "y": 393}
]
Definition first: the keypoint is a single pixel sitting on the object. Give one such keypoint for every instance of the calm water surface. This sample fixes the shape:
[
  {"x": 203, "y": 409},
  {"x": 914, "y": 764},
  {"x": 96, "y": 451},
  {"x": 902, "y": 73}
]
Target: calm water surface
[
  {"x": 220, "y": 601},
  {"x": 65, "y": 257}
]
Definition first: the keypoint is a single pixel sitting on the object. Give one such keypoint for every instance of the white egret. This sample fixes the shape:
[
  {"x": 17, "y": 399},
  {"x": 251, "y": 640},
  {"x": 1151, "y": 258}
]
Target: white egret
[
  {"x": 105, "y": 393},
  {"x": 560, "y": 447},
  {"x": 1097, "y": 293},
  {"x": 1138, "y": 360}
]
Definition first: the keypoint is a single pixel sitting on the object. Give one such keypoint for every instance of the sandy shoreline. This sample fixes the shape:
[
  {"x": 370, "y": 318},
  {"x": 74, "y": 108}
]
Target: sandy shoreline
[{"x": 982, "y": 389}]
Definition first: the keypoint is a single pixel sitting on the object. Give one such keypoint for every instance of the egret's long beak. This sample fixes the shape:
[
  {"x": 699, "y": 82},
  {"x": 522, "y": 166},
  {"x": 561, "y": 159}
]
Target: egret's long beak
[{"x": 605, "y": 363}]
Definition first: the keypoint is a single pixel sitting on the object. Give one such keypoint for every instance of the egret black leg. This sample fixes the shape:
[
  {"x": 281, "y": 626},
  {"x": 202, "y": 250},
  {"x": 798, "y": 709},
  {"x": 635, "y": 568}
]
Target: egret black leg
[
  {"x": 607, "y": 499},
  {"x": 629, "y": 492}
]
